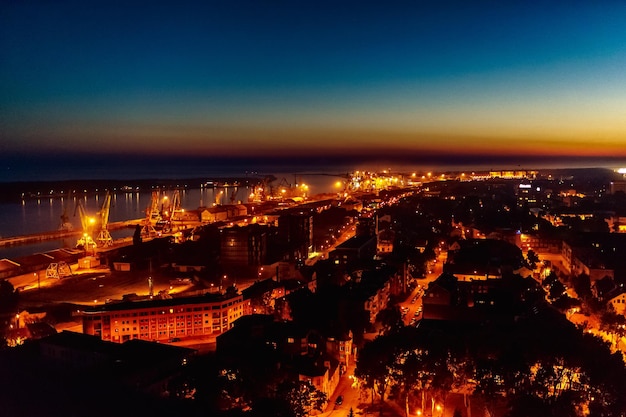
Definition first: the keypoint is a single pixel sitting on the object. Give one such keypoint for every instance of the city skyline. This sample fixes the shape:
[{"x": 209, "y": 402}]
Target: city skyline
[{"x": 318, "y": 82}]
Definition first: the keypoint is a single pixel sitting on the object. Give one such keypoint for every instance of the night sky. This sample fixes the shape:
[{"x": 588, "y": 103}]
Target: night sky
[{"x": 415, "y": 81}]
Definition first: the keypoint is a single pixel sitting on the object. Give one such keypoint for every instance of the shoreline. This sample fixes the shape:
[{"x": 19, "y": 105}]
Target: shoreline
[{"x": 11, "y": 192}]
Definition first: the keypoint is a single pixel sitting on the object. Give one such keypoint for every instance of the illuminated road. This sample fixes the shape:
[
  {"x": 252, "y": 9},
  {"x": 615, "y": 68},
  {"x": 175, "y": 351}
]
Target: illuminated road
[
  {"x": 412, "y": 306},
  {"x": 358, "y": 400}
]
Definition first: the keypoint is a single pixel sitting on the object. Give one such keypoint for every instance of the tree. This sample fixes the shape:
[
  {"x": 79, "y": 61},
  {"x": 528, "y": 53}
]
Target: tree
[
  {"x": 462, "y": 367},
  {"x": 564, "y": 303},
  {"x": 390, "y": 318},
  {"x": 374, "y": 365},
  {"x": 532, "y": 259},
  {"x": 414, "y": 371},
  {"x": 582, "y": 286},
  {"x": 8, "y": 297},
  {"x": 489, "y": 383},
  {"x": 302, "y": 397},
  {"x": 557, "y": 289},
  {"x": 550, "y": 279},
  {"x": 614, "y": 324}
]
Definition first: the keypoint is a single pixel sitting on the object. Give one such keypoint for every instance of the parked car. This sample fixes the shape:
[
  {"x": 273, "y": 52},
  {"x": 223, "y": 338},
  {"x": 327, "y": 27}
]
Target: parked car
[{"x": 339, "y": 400}]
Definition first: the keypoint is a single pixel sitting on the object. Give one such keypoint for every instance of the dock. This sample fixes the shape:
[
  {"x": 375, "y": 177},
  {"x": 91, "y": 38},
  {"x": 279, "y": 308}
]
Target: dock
[{"x": 58, "y": 234}]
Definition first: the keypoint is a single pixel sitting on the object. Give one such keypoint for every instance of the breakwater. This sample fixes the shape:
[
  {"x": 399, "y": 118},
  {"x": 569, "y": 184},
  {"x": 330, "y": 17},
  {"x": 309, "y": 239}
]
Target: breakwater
[{"x": 57, "y": 234}]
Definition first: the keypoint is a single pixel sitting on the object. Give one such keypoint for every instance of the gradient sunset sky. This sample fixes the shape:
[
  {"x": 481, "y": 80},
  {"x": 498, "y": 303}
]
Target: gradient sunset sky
[{"x": 400, "y": 81}]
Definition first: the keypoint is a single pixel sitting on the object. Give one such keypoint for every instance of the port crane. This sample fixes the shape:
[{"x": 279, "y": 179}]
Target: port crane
[
  {"x": 170, "y": 212},
  {"x": 153, "y": 215},
  {"x": 104, "y": 237},
  {"x": 87, "y": 223},
  {"x": 218, "y": 197},
  {"x": 260, "y": 191},
  {"x": 175, "y": 210},
  {"x": 65, "y": 225}
]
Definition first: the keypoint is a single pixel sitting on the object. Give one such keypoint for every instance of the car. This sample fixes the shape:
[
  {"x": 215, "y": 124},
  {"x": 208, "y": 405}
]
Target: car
[{"x": 339, "y": 400}]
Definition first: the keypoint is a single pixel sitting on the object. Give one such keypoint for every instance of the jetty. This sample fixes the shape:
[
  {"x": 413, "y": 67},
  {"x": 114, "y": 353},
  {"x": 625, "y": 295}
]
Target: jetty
[{"x": 58, "y": 234}]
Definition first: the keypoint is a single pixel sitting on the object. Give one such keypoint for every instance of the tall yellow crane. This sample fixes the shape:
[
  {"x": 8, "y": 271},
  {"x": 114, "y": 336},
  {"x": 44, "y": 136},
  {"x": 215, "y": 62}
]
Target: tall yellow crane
[
  {"x": 87, "y": 223},
  {"x": 153, "y": 215},
  {"x": 170, "y": 212},
  {"x": 175, "y": 209},
  {"x": 104, "y": 237}
]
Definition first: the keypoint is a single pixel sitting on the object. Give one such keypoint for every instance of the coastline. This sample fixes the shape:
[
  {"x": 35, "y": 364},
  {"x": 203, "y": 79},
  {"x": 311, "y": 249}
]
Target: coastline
[{"x": 11, "y": 192}]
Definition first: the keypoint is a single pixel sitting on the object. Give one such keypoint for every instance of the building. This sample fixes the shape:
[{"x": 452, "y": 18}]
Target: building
[
  {"x": 163, "y": 320},
  {"x": 530, "y": 195},
  {"x": 374, "y": 299},
  {"x": 540, "y": 243},
  {"x": 618, "y": 302},
  {"x": 373, "y": 290},
  {"x": 448, "y": 298},
  {"x": 598, "y": 255},
  {"x": 246, "y": 246},
  {"x": 213, "y": 214},
  {"x": 144, "y": 366},
  {"x": 295, "y": 231},
  {"x": 8, "y": 268},
  {"x": 260, "y": 297},
  {"x": 477, "y": 272},
  {"x": 617, "y": 222},
  {"x": 616, "y": 186},
  {"x": 485, "y": 256},
  {"x": 520, "y": 174},
  {"x": 361, "y": 247},
  {"x": 385, "y": 241}
]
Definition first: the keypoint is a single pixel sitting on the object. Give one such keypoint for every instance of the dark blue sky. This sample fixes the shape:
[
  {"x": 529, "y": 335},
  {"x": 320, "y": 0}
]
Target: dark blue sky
[{"x": 394, "y": 80}]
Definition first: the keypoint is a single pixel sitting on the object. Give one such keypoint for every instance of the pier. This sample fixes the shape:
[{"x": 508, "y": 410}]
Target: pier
[{"x": 58, "y": 234}]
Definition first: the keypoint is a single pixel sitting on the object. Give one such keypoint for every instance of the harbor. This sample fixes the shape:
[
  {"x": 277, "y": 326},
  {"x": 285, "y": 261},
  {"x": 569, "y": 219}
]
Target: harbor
[{"x": 57, "y": 234}]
